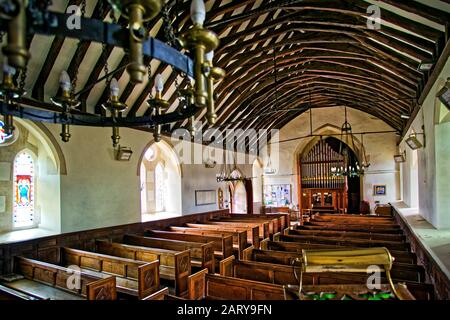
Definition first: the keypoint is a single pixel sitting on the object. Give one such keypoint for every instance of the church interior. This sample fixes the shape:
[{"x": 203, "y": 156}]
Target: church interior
[{"x": 224, "y": 150}]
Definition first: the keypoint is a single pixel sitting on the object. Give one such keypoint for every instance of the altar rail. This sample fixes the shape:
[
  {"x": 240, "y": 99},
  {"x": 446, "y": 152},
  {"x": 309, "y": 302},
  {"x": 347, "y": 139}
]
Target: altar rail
[{"x": 47, "y": 248}]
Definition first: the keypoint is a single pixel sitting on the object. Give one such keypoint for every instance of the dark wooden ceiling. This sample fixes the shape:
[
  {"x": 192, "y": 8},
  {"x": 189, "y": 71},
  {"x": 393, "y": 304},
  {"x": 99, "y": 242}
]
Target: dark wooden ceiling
[{"x": 281, "y": 58}]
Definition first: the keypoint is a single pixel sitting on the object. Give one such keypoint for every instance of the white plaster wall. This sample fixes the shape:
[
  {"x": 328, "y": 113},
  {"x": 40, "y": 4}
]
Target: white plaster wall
[
  {"x": 99, "y": 191},
  {"x": 433, "y": 185},
  {"x": 381, "y": 148}
]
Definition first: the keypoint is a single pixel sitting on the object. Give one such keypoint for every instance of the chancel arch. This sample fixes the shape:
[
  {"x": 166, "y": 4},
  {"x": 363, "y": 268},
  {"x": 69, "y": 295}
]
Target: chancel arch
[{"x": 160, "y": 182}]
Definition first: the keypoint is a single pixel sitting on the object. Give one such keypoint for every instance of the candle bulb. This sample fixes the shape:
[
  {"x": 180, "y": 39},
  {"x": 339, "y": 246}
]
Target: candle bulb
[
  {"x": 209, "y": 56},
  {"x": 159, "y": 84},
  {"x": 64, "y": 81},
  {"x": 198, "y": 12},
  {"x": 114, "y": 88}
]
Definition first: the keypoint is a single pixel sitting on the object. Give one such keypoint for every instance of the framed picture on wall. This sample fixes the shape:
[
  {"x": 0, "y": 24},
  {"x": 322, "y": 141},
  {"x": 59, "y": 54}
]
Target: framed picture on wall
[
  {"x": 379, "y": 190},
  {"x": 205, "y": 197}
]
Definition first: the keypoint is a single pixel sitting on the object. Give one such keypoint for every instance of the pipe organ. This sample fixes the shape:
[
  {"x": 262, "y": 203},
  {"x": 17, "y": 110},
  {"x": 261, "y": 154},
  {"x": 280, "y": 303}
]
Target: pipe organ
[{"x": 321, "y": 190}]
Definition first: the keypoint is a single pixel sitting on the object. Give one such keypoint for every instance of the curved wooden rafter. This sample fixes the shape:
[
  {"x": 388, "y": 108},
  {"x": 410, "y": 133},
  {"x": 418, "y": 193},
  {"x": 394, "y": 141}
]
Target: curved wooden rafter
[{"x": 325, "y": 56}]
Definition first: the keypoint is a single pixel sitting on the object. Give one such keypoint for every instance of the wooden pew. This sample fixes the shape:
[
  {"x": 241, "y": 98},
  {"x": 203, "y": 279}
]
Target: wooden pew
[
  {"x": 350, "y": 225},
  {"x": 356, "y": 220},
  {"x": 405, "y": 271},
  {"x": 348, "y": 234},
  {"x": 398, "y": 246},
  {"x": 346, "y": 227},
  {"x": 215, "y": 287},
  {"x": 134, "y": 278},
  {"x": 252, "y": 232},
  {"x": 275, "y": 224},
  {"x": 202, "y": 254},
  {"x": 174, "y": 266},
  {"x": 400, "y": 256},
  {"x": 263, "y": 227},
  {"x": 288, "y": 275},
  {"x": 282, "y": 217},
  {"x": 45, "y": 281},
  {"x": 223, "y": 245},
  {"x": 239, "y": 237}
]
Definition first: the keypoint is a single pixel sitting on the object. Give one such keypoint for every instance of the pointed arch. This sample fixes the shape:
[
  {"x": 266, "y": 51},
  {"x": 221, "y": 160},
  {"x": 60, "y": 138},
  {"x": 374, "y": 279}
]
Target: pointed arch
[
  {"x": 160, "y": 182},
  {"x": 24, "y": 189}
]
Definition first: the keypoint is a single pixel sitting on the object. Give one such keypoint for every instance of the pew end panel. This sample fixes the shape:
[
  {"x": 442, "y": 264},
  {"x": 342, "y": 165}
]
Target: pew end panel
[
  {"x": 103, "y": 289},
  {"x": 255, "y": 237},
  {"x": 196, "y": 285},
  {"x": 227, "y": 246},
  {"x": 265, "y": 244},
  {"x": 148, "y": 279},
  {"x": 247, "y": 254},
  {"x": 242, "y": 243},
  {"x": 277, "y": 236},
  {"x": 226, "y": 267},
  {"x": 208, "y": 260},
  {"x": 182, "y": 272}
]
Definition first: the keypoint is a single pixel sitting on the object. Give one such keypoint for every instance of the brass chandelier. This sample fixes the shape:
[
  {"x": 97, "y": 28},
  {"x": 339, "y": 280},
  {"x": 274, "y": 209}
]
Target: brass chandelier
[
  {"x": 135, "y": 39},
  {"x": 346, "y": 142}
]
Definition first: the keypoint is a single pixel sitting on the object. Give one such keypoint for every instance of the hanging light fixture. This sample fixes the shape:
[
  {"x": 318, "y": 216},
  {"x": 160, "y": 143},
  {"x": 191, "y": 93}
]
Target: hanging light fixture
[
  {"x": 229, "y": 173},
  {"x": 347, "y": 140}
]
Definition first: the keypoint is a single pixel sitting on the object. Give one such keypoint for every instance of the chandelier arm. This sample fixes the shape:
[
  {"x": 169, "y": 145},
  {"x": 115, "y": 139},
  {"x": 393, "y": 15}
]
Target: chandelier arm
[{"x": 95, "y": 30}]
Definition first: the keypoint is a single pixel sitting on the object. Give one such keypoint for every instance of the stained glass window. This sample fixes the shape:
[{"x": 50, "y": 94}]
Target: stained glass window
[
  {"x": 159, "y": 188},
  {"x": 23, "y": 215}
]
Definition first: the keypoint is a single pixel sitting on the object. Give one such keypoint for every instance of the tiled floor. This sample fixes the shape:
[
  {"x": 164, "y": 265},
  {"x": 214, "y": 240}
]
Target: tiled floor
[{"x": 436, "y": 241}]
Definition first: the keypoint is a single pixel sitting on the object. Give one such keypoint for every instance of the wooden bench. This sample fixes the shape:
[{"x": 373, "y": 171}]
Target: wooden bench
[
  {"x": 398, "y": 246},
  {"x": 346, "y": 227},
  {"x": 223, "y": 245},
  {"x": 252, "y": 232},
  {"x": 263, "y": 227},
  {"x": 354, "y": 225},
  {"x": 288, "y": 275},
  {"x": 215, "y": 287},
  {"x": 274, "y": 224},
  {"x": 239, "y": 237},
  {"x": 281, "y": 220},
  {"x": 45, "y": 281},
  {"x": 400, "y": 256},
  {"x": 202, "y": 254},
  {"x": 134, "y": 278},
  {"x": 348, "y": 234},
  {"x": 174, "y": 266}
]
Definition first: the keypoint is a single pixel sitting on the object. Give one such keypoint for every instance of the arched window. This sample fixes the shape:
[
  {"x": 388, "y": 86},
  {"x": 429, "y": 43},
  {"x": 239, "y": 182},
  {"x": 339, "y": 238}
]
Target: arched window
[
  {"x": 159, "y": 188},
  {"x": 24, "y": 176}
]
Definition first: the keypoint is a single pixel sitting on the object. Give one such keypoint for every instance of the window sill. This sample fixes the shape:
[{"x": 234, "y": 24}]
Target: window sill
[
  {"x": 23, "y": 235},
  {"x": 158, "y": 216}
]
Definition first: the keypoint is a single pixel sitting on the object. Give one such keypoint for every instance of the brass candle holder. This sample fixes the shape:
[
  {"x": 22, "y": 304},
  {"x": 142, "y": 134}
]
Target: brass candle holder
[
  {"x": 66, "y": 102},
  {"x": 116, "y": 107},
  {"x": 16, "y": 49},
  {"x": 213, "y": 74},
  {"x": 9, "y": 93},
  {"x": 199, "y": 41},
  {"x": 159, "y": 105},
  {"x": 137, "y": 12}
]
